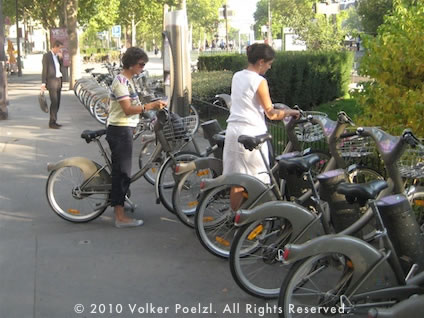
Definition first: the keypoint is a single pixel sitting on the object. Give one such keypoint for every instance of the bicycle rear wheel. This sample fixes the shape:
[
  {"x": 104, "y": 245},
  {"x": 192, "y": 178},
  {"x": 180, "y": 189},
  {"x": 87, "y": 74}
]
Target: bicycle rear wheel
[{"x": 69, "y": 201}]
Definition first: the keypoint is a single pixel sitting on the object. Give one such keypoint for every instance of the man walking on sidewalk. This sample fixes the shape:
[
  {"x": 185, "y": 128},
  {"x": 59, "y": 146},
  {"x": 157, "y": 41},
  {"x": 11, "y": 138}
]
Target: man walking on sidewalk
[{"x": 51, "y": 79}]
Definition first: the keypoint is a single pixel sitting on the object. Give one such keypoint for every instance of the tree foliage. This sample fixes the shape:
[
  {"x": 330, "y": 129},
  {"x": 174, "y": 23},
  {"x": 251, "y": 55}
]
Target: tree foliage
[
  {"x": 98, "y": 14},
  {"x": 317, "y": 30},
  {"x": 394, "y": 60},
  {"x": 372, "y": 13},
  {"x": 203, "y": 16},
  {"x": 50, "y": 13}
]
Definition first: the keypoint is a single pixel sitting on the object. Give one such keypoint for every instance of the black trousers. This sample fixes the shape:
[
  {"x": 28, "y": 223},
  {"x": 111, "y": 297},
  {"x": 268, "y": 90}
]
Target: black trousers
[
  {"x": 120, "y": 141},
  {"x": 54, "y": 87}
]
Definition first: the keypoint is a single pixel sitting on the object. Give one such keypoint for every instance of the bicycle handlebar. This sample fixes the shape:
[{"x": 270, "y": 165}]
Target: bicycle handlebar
[{"x": 410, "y": 139}]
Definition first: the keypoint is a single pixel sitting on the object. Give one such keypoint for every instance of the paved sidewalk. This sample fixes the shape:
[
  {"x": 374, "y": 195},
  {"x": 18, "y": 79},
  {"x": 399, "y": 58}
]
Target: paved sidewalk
[{"x": 48, "y": 266}]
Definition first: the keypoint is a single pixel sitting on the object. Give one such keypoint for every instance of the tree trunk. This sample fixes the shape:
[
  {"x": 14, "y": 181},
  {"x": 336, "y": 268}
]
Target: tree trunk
[
  {"x": 72, "y": 14},
  {"x": 133, "y": 31},
  {"x": 3, "y": 75}
]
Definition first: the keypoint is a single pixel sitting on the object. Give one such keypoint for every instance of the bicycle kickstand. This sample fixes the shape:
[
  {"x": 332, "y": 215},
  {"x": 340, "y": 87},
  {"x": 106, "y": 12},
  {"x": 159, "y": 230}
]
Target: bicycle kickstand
[{"x": 132, "y": 205}]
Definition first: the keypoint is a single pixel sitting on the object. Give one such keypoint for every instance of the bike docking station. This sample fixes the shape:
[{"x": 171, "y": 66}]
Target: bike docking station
[{"x": 176, "y": 64}]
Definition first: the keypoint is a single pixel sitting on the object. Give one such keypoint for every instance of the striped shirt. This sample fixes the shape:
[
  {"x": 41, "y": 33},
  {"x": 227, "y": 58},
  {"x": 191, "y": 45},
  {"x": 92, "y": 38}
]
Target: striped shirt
[{"x": 122, "y": 89}]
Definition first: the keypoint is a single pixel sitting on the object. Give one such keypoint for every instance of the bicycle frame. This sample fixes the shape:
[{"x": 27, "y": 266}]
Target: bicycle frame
[{"x": 376, "y": 273}]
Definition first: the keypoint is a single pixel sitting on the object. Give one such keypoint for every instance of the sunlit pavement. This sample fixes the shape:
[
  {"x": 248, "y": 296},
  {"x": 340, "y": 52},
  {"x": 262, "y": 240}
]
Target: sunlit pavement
[{"x": 53, "y": 268}]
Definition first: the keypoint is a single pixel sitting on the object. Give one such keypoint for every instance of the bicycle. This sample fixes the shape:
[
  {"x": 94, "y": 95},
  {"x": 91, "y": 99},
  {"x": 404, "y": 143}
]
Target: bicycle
[
  {"x": 250, "y": 270},
  {"x": 292, "y": 186},
  {"x": 350, "y": 275},
  {"x": 78, "y": 188}
]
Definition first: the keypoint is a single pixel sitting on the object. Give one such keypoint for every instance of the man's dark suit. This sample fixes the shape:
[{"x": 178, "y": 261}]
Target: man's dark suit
[{"x": 53, "y": 84}]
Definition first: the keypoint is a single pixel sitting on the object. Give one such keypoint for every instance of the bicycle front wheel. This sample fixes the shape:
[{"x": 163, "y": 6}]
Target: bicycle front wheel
[
  {"x": 69, "y": 201},
  {"x": 166, "y": 180},
  {"x": 416, "y": 198},
  {"x": 146, "y": 152},
  {"x": 185, "y": 196},
  {"x": 101, "y": 110},
  {"x": 254, "y": 260},
  {"x": 317, "y": 282},
  {"x": 364, "y": 175},
  {"x": 214, "y": 221},
  {"x": 193, "y": 111}
]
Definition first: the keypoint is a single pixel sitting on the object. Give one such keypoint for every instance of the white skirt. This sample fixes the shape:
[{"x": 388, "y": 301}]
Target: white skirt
[{"x": 237, "y": 159}]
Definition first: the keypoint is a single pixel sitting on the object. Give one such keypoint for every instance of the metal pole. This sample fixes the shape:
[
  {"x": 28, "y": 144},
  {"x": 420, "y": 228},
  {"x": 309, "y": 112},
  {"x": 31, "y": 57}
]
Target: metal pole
[
  {"x": 17, "y": 41},
  {"x": 226, "y": 25},
  {"x": 3, "y": 76},
  {"x": 269, "y": 23}
]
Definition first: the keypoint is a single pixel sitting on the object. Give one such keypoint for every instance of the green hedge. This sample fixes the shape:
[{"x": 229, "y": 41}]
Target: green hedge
[
  {"x": 205, "y": 85},
  {"x": 309, "y": 79},
  {"x": 220, "y": 62},
  {"x": 304, "y": 78}
]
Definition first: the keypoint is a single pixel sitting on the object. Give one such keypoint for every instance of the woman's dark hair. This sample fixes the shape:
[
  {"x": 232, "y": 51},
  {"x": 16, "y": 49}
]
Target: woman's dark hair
[
  {"x": 258, "y": 51},
  {"x": 132, "y": 56}
]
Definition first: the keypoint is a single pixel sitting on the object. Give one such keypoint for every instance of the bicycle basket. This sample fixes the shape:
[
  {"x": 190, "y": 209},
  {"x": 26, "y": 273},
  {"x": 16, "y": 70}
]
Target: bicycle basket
[
  {"x": 411, "y": 164},
  {"x": 308, "y": 132},
  {"x": 177, "y": 128},
  {"x": 356, "y": 146}
]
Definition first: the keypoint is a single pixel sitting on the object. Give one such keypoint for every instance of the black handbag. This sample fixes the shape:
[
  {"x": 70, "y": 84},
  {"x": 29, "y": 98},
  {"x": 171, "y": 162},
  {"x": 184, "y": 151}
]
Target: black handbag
[{"x": 43, "y": 102}]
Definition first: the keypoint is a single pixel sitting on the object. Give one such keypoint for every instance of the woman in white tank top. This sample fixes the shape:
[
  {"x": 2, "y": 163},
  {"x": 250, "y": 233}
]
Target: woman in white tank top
[{"x": 250, "y": 102}]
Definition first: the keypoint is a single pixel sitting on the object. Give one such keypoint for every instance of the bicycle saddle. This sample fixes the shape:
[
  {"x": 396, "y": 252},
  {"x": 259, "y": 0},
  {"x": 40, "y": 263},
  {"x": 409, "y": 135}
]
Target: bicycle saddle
[
  {"x": 361, "y": 193},
  {"x": 88, "y": 70},
  {"x": 251, "y": 143},
  {"x": 299, "y": 164},
  {"x": 219, "y": 139},
  {"x": 90, "y": 135},
  {"x": 288, "y": 155}
]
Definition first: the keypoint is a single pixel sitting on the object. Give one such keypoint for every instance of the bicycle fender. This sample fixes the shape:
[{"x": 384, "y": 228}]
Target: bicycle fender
[
  {"x": 226, "y": 98},
  {"x": 209, "y": 163},
  {"x": 254, "y": 187},
  {"x": 305, "y": 225},
  {"x": 202, "y": 163},
  {"x": 363, "y": 257},
  {"x": 88, "y": 166}
]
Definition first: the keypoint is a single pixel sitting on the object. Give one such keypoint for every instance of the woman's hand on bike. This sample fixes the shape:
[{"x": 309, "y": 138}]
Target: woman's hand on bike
[
  {"x": 156, "y": 105},
  {"x": 294, "y": 113}
]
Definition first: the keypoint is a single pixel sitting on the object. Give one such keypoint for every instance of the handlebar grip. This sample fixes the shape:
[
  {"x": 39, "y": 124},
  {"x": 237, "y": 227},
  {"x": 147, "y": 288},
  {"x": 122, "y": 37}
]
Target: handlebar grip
[
  {"x": 348, "y": 134},
  {"x": 301, "y": 121},
  {"x": 411, "y": 140}
]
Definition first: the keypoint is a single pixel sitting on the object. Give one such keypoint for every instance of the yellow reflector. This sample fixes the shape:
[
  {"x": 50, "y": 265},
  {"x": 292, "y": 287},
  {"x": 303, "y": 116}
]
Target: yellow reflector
[
  {"x": 222, "y": 241},
  {"x": 154, "y": 170},
  {"x": 245, "y": 195},
  {"x": 202, "y": 173},
  {"x": 349, "y": 264},
  {"x": 208, "y": 219},
  {"x": 74, "y": 211},
  {"x": 257, "y": 230},
  {"x": 192, "y": 203},
  {"x": 419, "y": 202}
]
